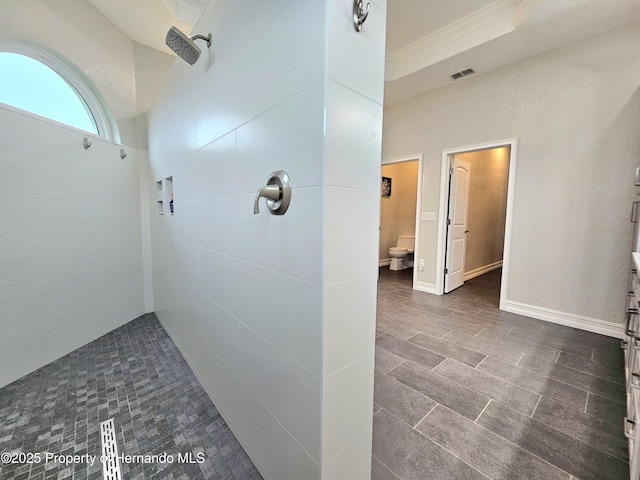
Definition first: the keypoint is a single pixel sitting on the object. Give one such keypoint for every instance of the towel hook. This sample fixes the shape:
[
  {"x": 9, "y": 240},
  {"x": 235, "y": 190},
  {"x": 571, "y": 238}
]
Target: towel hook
[
  {"x": 122, "y": 153},
  {"x": 86, "y": 143},
  {"x": 359, "y": 14}
]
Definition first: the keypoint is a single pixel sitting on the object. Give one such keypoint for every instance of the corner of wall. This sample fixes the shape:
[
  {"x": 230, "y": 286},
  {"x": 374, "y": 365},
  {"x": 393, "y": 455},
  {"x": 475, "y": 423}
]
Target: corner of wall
[{"x": 134, "y": 131}]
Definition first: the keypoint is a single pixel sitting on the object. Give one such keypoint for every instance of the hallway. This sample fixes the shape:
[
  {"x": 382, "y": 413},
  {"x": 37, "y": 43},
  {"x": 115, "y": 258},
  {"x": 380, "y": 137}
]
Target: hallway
[{"x": 465, "y": 391}]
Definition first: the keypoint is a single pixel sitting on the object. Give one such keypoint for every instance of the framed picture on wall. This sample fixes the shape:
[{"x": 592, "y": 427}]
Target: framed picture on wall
[{"x": 385, "y": 189}]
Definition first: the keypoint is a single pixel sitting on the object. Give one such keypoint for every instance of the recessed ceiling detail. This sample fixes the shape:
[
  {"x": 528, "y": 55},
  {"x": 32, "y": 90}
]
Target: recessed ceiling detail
[{"x": 485, "y": 24}]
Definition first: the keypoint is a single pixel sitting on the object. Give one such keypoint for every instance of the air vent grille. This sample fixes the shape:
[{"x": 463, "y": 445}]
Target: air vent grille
[{"x": 462, "y": 73}]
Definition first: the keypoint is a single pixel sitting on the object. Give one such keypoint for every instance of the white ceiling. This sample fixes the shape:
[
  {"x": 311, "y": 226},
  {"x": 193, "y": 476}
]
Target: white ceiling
[
  {"x": 147, "y": 21},
  {"x": 427, "y": 40}
]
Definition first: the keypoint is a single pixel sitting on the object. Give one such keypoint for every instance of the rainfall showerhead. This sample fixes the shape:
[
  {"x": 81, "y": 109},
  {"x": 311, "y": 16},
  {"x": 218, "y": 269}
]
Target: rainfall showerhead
[{"x": 185, "y": 46}]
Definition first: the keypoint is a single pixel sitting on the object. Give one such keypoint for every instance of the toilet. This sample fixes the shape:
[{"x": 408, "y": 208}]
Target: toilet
[{"x": 402, "y": 254}]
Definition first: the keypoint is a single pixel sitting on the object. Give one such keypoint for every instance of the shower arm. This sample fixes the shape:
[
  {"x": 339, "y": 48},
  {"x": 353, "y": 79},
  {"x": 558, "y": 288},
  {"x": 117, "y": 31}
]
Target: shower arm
[{"x": 203, "y": 37}]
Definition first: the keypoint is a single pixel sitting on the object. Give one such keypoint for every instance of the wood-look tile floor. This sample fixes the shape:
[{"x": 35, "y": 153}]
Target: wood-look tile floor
[{"x": 464, "y": 391}]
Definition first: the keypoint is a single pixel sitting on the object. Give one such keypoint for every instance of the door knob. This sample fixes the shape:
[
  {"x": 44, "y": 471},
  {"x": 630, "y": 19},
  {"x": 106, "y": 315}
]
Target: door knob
[{"x": 277, "y": 193}]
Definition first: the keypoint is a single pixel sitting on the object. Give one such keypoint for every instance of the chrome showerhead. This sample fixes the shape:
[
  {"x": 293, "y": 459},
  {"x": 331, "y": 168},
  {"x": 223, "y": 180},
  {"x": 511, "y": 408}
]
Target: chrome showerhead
[{"x": 185, "y": 46}]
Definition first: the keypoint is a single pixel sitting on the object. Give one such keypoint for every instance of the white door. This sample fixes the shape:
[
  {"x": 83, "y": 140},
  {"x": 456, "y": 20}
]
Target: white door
[{"x": 459, "y": 177}]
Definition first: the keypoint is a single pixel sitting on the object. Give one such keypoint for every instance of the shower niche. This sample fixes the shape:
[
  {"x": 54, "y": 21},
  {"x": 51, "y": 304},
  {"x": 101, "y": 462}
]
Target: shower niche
[{"x": 164, "y": 196}]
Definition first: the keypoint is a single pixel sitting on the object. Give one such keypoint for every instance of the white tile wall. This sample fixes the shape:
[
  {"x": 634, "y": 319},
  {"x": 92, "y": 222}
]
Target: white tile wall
[
  {"x": 70, "y": 245},
  {"x": 203, "y": 359},
  {"x": 349, "y": 332},
  {"x": 31, "y": 346},
  {"x": 285, "y": 136},
  {"x": 27, "y": 261},
  {"x": 353, "y": 461},
  {"x": 102, "y": 250},
  {"x": 218, "y": 327},
  {"x": 164, "y": 309},
  {"x": 243, "y": 291},
  {"x": 288, "y": 390},
  {"x": 350, "y": 247},
  {"x": 356, "y": 59},
  {"x": 294, "y": 51},
  {"x": 347, "y": 407},
  {"x": 260, "y": 239},
  {"x": 354, "y": 139},
  {"x": 270, "y": 446},
  {"x": 23, "y": 304},
  {"x": 296, "y": 321},
  {"x": 206, "y": 172},
  {"x": 355, "y": 70},
  {"x": 270, "y": 297}
]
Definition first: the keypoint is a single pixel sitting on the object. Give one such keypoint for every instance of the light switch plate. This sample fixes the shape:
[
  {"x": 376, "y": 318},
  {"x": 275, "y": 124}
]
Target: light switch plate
[{"x": 428, "y": 216}]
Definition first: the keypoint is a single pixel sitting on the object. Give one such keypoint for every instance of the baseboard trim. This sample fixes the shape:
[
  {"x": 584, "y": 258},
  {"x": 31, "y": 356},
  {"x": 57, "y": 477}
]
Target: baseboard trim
[
  {"x": 426, "y": 287},
  {"x": 594, "y": 325},
  {"x": 476, "y": 272},
  {"x": 385, "y": 262}
]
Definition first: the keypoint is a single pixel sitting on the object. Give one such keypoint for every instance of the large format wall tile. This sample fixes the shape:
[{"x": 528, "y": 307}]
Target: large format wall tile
[
  {"x": 243, "y": 291},
  {"x": 346, "y": 406},
  {"x": 285, "y": 302},
  {"x": 349, "y": 322},
  {"x": 354, "y": 131},
  {"x": 354, "y": 57},
  {"x": 297, "y": 334}
]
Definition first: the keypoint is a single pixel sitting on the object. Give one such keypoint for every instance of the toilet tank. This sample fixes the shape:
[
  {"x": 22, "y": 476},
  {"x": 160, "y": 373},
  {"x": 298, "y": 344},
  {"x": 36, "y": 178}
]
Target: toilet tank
[{"x": 406, "y": 241}]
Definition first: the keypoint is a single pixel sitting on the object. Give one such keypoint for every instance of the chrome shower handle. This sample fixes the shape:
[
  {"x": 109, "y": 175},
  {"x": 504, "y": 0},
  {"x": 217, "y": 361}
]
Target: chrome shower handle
[
  {"x": 277, "y": 193},
  {"x": 272, "y": 192}
]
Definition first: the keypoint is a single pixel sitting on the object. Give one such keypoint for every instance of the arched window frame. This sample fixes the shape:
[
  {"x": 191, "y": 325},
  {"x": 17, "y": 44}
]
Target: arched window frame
[{"x": 104, "y": 121}]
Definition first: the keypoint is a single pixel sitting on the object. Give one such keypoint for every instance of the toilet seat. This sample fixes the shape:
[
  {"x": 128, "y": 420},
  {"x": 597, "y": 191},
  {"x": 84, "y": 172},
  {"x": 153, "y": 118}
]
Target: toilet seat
[{"x": 400, "y": 249}]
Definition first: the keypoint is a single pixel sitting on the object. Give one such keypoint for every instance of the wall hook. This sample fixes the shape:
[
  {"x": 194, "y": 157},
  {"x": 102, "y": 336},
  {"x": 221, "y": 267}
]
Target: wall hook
[
  {"x": 86, "y": 143},
  {"x": 122, "y": 153},
  {"x": 359, "y": 14},
  {"x": 277, "y": 192}
]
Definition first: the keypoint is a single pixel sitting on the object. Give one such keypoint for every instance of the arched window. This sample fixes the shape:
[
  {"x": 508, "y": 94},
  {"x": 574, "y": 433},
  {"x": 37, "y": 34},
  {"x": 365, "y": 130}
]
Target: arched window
[{"x": 42, "y": 83}]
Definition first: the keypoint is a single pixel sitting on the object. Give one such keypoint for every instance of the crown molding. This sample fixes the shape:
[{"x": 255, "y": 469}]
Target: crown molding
[{"x": 488, "y": 23}]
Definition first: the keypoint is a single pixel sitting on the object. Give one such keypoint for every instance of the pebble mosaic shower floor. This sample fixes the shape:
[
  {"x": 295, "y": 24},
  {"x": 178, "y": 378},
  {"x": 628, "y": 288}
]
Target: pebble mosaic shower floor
[{"x": 166, "y": 425}]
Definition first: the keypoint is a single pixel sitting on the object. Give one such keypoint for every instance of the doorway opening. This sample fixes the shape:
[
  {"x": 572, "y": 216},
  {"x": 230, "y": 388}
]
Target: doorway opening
[
  {"x": 476, "y": 206},
  {"x": 399, "y": 213}
]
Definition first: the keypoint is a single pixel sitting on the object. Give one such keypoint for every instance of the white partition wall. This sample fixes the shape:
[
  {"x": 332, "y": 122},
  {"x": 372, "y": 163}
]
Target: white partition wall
[
  {"x": 276, "y": 314},
  {"x": 70, "y": 242}
]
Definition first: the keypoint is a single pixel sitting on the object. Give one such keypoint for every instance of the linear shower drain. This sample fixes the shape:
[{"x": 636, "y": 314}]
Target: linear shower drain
[{"x": 111, "y": 463}]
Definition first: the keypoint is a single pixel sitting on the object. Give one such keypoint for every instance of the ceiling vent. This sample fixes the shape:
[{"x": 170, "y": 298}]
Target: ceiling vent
[{"x": 462, "y": 73}]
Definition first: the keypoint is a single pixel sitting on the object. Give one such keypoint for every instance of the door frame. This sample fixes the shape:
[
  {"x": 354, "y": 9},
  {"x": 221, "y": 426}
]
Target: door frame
[
  {"x": 442, "y": 214},
  {"x": 419, "y": 157}
]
